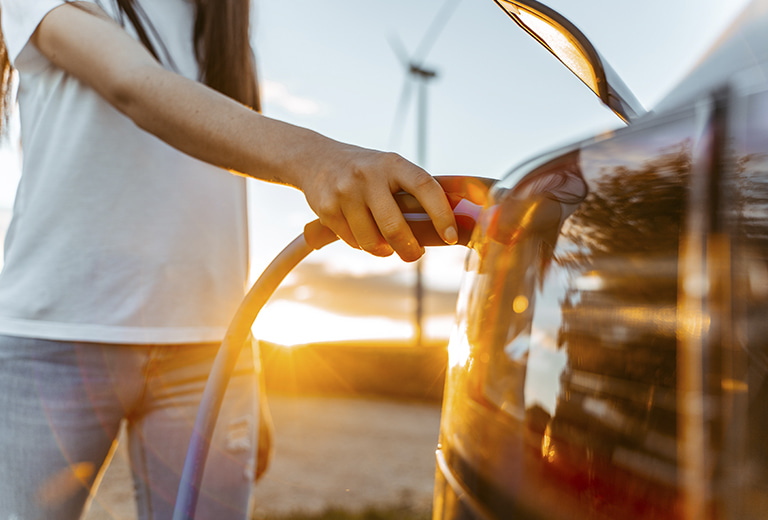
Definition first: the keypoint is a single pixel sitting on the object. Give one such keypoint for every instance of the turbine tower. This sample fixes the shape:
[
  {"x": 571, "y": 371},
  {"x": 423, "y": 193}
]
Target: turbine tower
[{"x": 417, "y": 73}]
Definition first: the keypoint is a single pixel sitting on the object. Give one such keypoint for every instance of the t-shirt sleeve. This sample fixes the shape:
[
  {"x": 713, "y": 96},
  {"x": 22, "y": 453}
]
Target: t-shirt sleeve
[{"x": 20, "y": 18}]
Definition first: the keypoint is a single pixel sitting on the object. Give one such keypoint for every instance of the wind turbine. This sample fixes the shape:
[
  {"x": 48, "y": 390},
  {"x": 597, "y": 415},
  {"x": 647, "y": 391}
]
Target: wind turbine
[{"x": 416, "y": 72}]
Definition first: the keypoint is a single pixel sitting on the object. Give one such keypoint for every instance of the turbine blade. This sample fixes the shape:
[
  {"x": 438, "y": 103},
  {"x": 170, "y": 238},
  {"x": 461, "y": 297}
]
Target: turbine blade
[
  {"x": 438, "y": 24},
  {"x": 399, "y": 49}
]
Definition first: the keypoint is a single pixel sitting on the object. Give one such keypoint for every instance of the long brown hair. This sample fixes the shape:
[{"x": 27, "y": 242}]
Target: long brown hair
[
  {"x": 221, "y": 37},
  {"x": 5, "y": 82}
]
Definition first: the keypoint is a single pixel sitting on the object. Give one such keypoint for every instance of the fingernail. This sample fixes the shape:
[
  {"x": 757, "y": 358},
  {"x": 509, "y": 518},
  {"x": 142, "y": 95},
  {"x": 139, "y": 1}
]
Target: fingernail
[{"x": 451, "y": 236}]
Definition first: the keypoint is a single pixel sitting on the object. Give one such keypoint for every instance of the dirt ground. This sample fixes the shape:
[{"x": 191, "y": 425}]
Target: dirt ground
[{"x": 329, "y": 452}]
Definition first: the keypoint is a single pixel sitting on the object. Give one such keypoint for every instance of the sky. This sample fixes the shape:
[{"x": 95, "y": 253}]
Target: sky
[{"x": 498, "y": 99}]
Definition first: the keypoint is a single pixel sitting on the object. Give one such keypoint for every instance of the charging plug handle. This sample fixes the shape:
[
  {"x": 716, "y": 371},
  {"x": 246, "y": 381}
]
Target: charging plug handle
[{"x": 467, "y": 196}]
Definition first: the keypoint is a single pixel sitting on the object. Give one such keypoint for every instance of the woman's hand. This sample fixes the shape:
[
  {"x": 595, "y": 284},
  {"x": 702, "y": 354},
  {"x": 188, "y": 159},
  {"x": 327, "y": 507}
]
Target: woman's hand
[{"x": 350, "y": 188}]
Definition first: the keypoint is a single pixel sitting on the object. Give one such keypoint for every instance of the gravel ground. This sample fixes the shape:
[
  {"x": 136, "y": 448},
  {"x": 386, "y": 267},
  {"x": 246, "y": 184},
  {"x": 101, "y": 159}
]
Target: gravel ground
[{"x": 329, "y": 452}]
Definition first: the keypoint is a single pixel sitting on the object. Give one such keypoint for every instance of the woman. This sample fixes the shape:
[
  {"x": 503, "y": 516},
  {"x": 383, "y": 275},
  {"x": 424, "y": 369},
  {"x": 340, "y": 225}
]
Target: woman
[{"x": 126, "y": 255}]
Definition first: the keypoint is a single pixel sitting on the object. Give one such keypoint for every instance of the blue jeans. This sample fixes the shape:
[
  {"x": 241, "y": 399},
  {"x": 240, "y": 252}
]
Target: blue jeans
[{"x": 61, "y": 407}]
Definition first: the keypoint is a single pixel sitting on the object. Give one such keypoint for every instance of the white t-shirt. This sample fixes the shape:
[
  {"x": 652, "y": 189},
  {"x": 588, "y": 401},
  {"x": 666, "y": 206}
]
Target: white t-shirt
[{"x": 116, "y": 237}]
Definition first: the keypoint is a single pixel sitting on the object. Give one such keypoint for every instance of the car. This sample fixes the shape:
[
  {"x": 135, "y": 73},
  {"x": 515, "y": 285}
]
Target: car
[{"x": 609, "y": 358}]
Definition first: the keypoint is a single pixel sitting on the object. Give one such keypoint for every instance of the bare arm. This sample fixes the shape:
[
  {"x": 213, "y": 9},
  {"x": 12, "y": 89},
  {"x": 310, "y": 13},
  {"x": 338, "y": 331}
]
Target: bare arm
[{"x": 350, "y": 188}]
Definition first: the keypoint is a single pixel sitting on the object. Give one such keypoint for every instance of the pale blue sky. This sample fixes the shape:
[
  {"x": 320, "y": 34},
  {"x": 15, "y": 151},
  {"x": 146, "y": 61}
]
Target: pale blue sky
[{"x": 500, "y": 98}]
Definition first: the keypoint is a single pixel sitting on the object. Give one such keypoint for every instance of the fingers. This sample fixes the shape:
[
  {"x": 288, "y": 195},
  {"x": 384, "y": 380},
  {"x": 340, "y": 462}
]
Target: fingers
[
  {"x": 432, "y": 198},
  {"x": 355, "y": 199},
  {"x": 375, "y": 225},
  {"x": 393, "y": 228},
  {"x": 354, "y": 224},
  {"x": 376, "y": 221},
  {"x": 338, "y": 224},
  {"x": 390, "y": 221},
  {"x": 366, "y": 231}
]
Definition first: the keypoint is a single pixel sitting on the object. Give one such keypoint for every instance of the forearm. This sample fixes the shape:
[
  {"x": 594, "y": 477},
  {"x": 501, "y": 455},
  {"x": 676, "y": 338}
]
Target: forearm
[
  {"x": 184, "y": 113},
  {"x": 216, "y": 129}
]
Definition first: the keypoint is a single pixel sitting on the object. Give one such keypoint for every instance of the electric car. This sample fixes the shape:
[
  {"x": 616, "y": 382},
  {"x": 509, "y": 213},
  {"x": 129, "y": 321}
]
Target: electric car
[{"x": 610, "y": 353}]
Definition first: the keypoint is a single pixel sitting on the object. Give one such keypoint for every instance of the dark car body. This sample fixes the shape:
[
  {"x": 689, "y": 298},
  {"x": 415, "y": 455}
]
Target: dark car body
[{"x": 610, "y": 355}]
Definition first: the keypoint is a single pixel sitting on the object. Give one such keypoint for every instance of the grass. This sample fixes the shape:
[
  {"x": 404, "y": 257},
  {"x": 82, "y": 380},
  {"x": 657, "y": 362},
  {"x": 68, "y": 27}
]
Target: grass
[{"x": 393, "y": 513}]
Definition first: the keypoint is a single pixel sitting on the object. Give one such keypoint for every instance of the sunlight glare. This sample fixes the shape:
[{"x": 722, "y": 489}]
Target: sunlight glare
[{"x": 290, "y": 323}]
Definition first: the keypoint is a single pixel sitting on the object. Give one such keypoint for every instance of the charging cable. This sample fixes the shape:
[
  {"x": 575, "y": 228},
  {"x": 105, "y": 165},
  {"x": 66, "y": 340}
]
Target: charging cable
[{"x": 314, "y": 237}]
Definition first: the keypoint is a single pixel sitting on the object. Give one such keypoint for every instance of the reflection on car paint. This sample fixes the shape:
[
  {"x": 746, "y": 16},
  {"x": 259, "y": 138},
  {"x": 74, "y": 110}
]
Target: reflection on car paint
[{"x": 567, "y": 401}]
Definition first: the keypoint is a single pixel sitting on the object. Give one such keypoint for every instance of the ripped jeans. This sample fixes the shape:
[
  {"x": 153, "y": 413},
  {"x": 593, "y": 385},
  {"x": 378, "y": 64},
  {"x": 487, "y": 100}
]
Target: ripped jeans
[{"x": 61, "y": 407}]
